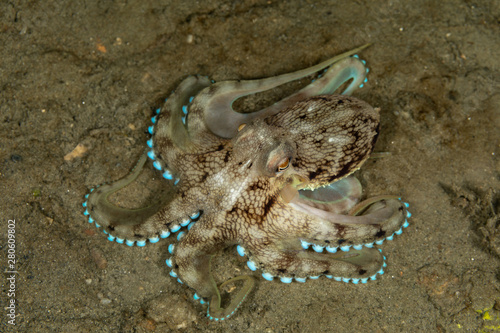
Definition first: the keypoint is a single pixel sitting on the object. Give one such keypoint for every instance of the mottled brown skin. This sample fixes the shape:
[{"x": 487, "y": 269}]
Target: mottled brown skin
[{"x": 247, "y": 184}]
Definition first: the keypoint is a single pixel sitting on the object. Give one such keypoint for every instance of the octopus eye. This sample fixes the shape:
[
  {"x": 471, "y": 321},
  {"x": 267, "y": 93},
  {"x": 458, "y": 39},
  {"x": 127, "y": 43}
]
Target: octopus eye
[
  {"x": 284, "y": 165},
  {"x": 242, "y": 126}
]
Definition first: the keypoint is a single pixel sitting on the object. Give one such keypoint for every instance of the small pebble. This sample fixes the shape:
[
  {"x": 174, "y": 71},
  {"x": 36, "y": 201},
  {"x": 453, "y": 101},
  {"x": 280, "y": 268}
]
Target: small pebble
[
  {"x": 99, "y": 258},
  {"x": 16, "y": 158}
]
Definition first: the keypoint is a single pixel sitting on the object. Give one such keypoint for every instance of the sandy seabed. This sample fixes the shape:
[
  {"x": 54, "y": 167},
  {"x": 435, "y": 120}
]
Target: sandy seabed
[{"x": 88, "y": 75}]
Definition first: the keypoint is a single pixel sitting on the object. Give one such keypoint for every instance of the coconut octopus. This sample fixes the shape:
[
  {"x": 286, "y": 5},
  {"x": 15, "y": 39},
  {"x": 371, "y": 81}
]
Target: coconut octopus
[{"x": 276, "y": 182}]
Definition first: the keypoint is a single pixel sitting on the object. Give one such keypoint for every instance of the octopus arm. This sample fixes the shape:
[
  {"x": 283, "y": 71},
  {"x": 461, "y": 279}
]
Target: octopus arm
[
  {"x": 216, "y": 101},
  {"x": 191, "y": 264},
  {"x": 375, "y": 222},
  {"x": 338, "y": 246},
  {"x": 136, "y": 226},
  {"x": 297, "y": 263}
]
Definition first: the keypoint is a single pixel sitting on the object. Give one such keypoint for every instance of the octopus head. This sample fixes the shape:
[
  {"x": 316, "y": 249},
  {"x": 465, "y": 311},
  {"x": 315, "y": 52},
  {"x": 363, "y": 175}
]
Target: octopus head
[{"x": 332, "y": 136}]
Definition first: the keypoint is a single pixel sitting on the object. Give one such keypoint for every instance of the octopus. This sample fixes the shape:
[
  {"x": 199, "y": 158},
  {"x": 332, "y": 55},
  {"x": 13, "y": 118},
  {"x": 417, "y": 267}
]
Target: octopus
[{"x": 275, "y": 183}]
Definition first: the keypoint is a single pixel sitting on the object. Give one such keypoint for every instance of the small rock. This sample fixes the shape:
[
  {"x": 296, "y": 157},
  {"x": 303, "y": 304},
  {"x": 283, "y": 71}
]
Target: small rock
[
  {"x": 79, "y": 151},
  {"x": 99, "y": 258}
]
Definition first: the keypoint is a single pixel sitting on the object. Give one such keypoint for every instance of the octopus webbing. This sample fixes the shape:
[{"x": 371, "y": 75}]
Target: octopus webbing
[{"x": 276, "y": 183}]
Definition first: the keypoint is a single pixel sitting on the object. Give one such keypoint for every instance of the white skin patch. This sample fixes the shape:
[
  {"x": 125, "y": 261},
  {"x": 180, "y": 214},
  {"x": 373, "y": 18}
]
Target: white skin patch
[{"x": 340, "y": 140}]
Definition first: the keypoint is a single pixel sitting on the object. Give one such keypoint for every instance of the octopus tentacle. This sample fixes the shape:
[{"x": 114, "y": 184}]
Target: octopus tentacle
[
  {"x": 175, "y": 112},
  {"x": 334, "y": 250},
  {"x": 190, "y": 263},
  {"x": 216, "y": 312},
  {"x": 213, "y": 106},
  {"x": 137, "y": 226},
  {"x": 103, "y": 213},
  {"x": 337, "y": 198},
  {"x": 379, "y": 220},
  {"x": 296, "y": 264}
]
